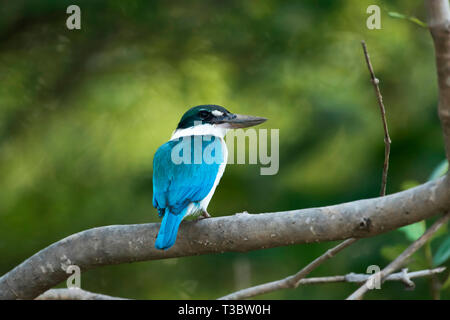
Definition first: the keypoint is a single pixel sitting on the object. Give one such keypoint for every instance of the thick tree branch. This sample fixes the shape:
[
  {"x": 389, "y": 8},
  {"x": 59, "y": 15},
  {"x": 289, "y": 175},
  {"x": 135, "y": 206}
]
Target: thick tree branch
[
  {"x": 238, "y": 233},
  {"x": 438, "y": 12},
  {"x": 74, "y": 294}
]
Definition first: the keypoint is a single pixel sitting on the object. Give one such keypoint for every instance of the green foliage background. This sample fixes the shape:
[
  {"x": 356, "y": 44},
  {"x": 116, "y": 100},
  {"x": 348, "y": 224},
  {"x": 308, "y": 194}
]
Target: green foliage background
[{"x": 82, "y": 113}]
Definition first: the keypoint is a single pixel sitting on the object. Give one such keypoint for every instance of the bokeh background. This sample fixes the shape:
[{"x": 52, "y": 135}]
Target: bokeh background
[{"x": 83, "y": 111}]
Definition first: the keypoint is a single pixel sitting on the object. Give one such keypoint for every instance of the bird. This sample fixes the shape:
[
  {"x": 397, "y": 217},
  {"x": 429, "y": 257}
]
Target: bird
[{"x": 188, "y": 168}]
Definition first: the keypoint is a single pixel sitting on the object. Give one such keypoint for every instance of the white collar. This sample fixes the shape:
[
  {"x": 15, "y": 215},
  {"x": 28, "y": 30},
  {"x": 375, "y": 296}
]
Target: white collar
[{"x": 200, "y": 130}]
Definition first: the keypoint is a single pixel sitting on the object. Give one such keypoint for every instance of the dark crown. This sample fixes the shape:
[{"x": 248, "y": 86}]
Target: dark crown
[{"x": 200, "y": 114}]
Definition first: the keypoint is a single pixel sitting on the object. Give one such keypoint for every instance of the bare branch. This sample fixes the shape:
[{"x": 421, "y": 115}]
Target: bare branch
[
  {"x": 74, "y": 294},
  {"x": 401, "y": 259},
  {"x": 289, "y": 282},
  {"x": 293, "y": 281},
  {"x": 387, "y": 139},
  {"x": 439, "y": 23},
  {"x": 79, "y": 294},
  {"x": 238, "y": 233},
  {"x": 438, "y": 12},
  {"x": 403, "y": 276},
  {"x": 241, "y": 233}
]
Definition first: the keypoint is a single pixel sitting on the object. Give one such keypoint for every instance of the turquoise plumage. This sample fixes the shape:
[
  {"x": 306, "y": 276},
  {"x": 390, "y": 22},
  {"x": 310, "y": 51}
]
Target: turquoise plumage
[
  {"x": 176, "y": 186},
  {"x": 188, "y": 168}
]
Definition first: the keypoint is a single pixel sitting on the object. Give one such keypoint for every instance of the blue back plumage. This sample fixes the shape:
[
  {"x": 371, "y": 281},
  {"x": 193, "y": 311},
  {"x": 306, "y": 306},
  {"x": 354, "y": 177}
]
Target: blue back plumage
[
  {"x": 184, "y": 171},
  {"x": 168, "y": 231}
]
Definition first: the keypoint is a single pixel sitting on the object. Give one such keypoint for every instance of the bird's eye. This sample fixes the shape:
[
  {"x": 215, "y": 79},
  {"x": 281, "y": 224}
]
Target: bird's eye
[{"x": 204, "y": 114}]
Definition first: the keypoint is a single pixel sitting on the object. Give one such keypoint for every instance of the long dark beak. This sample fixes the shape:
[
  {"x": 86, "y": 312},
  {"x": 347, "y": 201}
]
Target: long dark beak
[{"x": 234, "y": 121}]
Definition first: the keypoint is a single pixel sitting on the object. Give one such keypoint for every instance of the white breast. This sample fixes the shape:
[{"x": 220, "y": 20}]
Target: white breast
[
  {"x": 195, "y": 208},
  {"x": 219, "y": 133},
  {"x": 204, "y": 203}
]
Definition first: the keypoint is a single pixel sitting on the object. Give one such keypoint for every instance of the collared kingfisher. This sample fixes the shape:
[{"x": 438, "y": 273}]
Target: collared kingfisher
[{"x": 188, "y": 168}]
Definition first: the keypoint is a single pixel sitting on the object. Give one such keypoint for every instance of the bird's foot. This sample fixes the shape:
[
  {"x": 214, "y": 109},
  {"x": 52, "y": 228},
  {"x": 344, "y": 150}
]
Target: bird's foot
[{"x": 204, "y": 215}]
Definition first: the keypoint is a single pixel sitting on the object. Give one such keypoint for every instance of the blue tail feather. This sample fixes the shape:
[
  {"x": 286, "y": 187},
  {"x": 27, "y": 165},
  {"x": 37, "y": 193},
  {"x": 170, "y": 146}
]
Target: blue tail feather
[{"x": 168, "y": 231}]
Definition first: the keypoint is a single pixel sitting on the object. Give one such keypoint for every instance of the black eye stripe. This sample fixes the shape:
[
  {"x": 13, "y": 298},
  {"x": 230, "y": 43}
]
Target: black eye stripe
[{"x": 204, "y": 114}]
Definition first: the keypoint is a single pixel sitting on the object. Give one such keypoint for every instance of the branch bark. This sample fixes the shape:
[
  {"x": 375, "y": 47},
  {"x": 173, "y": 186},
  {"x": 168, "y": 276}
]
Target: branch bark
[
  {"x": 74, "y": 294},
  {"x": 238, "y": 233},
  {"x": 387, "y": 138},
  {"x": 401, "y": 259},
  {"x": 403, "y": 276},
  {"x": 438, "y": 12},
  {"x": 289, "y": 282}
]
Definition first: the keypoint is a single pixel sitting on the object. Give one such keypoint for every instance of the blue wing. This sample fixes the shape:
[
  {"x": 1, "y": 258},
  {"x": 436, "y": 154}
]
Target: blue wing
[{"x": 175, "y": 185}]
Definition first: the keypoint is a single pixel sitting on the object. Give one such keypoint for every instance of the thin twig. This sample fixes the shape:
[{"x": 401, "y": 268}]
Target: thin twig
[
  {"x": 435, "y": 285},
  {"x": 79, "y": 294},
  {"x": 291, "y": 281},
  {"x": 403, "y": 276},
  {"x": 387, "y": 139},
  {"x": 401, "y": 259}
]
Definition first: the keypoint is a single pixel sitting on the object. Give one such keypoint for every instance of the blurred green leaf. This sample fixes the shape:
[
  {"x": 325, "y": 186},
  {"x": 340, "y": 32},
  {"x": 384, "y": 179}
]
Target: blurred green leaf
[
  {"x": 408, "y": 184},
  {"x": 418, "y": 22},
  {"x": 442, "y": 253},
  {"x": 446, "y": 284},
  {"x": 439, "y": 171},
  {"x": 413, "y": 231},
  {"x": 397, "y": 15},
  {"x": 392, "y": 252}
]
